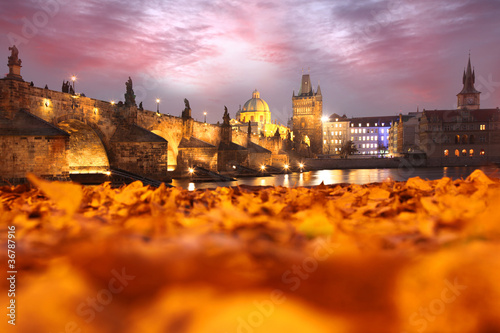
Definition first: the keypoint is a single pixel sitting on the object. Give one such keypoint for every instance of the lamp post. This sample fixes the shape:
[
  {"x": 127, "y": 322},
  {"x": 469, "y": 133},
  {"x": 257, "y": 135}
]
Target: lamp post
[
  {"x": 158, "y": 106},
  {"x": 205, "y": 114},
  {"x": 73, "y": 78}
]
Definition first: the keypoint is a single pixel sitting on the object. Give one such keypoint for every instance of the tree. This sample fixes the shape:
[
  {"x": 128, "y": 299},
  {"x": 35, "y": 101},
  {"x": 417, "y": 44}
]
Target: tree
[{"x": 348, "y": 148}]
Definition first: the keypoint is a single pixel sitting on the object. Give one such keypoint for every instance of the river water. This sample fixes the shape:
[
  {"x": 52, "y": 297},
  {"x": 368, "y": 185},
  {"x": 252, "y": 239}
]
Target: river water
[{"x": 352, "y": 176}]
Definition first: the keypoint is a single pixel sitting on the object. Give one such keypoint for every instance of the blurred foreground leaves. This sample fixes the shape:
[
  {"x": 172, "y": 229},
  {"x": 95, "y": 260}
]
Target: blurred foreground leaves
[{"x": 341, "y": 258}]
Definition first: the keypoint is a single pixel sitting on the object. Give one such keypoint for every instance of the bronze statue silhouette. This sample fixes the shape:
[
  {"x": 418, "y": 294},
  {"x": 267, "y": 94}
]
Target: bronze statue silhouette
[
  {"x": 129, "y": 95},
  {"x": 14, "y": 56}
]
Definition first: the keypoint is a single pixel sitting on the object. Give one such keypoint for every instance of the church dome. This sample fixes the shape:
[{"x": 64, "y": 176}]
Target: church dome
[{"x": 256, "y": 104}]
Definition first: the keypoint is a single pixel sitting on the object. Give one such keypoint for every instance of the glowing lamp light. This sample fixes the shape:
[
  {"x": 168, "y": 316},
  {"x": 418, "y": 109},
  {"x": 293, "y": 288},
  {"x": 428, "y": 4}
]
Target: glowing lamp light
[
  {"x": 324, "y": 119},
  {"x": 191, "y": 170},
  {"x": 47, "y": 103},
  {"x": 263, "y": 167},
  {"x": 108, "y": 173},
  {"x": 301, "y": 165},
  {"x": 286, "y": 166},
  {"x": 234, "y": 166},
  {"x": 112, "y": 102}
]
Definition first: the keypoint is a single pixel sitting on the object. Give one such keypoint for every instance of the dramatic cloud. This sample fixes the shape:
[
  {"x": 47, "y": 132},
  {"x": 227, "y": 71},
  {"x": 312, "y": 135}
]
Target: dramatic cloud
[{"x": 371, "y": 57}]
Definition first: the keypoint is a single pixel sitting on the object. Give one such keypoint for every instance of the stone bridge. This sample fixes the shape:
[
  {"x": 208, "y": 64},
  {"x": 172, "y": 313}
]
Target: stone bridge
[{"x": 102, "y": 135}]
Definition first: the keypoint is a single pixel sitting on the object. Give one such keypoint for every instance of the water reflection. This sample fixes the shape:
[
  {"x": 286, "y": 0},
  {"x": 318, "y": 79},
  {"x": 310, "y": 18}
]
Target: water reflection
[{"x": 352, "y": 176}]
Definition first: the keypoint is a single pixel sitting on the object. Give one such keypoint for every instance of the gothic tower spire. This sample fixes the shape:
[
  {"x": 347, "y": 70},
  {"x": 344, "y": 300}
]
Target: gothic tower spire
[{"x": 469, "y": 97}]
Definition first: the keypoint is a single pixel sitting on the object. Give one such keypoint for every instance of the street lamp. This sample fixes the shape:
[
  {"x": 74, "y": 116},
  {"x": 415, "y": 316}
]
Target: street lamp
[
  {"x": 73, "y": 78},
  {"x": 324, "y": 119},
  {"x": 158, "y": 106},
  {"x": 301, "y": 166},
  {"x": 205, "y": 114},
  {"x": 262, "y": 167}
]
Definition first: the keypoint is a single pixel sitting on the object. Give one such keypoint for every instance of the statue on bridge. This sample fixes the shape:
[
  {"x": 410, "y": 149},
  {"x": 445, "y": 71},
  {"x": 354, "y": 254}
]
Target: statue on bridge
[
  {"x": 129, "y": 95},
  {"x": 186, "y": 114},
  {"x": 14, "y": 56},
  {"x": 226, "y": 116}
]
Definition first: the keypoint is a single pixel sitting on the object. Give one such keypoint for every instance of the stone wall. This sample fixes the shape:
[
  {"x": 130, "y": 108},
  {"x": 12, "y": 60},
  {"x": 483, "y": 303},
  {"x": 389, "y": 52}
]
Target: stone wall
[
  {"x": 205, "y": 157},
  {"x": 145, "y": 159},
  {"x": 43, "y": 156}
]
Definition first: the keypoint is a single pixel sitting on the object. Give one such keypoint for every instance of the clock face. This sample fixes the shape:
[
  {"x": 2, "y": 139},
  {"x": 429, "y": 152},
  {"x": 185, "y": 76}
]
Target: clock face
[{"x": 470, "y": 100}]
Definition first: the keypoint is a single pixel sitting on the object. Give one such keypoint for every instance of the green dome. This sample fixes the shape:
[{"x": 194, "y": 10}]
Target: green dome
[{"x": 256, "y": 104}]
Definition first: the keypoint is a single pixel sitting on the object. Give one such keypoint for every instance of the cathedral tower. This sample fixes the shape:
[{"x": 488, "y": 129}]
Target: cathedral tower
[
  {"x": 468, "y": 98},
  {"x": 307, "y": 113}
]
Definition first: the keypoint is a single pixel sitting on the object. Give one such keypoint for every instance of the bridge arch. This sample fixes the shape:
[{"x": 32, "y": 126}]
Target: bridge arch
[
  {"x": 173, "y": 149},
  {"x": 87, "y": 150}
]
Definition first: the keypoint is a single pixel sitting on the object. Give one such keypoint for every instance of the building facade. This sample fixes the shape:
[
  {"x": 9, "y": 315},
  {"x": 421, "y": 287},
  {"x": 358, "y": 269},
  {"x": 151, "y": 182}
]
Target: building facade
[
  {"x": 307, "y": 113},
  {"x": 371, "y": 134},
  {"x": 335, "y": 134},
  {"x": 404, "y": 137},
  {"x": 467, "y": 135}
]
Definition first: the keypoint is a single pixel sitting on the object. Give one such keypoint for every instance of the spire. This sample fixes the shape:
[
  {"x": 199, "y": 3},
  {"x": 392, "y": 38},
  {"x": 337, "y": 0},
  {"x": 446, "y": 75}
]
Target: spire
[
  {"x": 468, "y": 80},
  {"x": 305, "y": 87},
  {"x": 318, "y": 92}
]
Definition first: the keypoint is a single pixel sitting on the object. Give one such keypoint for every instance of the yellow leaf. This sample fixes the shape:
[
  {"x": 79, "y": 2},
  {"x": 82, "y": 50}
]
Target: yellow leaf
[{"x": 66, "y": 196}]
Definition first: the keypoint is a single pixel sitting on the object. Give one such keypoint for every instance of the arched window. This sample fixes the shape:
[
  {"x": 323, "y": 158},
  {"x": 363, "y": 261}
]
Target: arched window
[
  {"x": 457, "y": 153},
  {"x": 472, "y": 139},
  {"x": 261, "y": 119},
  {"x": 465, "y": 138},
  {"x": 464, "y": 152},
  {"x": 471, "y": 152},
  {"x": 252, "y": 119},
  {"x": 481, "y": 153},
  {"x": 446, "y": 152},
  {"x": 457, "y": 139}
]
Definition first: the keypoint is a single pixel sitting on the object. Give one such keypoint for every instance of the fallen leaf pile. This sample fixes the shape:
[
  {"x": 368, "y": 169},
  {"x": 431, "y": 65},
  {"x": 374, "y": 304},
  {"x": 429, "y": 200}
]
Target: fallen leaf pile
[{"x": 414, "y": 256}]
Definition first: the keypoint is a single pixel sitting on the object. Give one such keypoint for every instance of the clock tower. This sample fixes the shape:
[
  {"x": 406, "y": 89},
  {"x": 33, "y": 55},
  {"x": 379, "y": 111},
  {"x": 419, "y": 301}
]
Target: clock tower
[{"x": 468, "y": 98}]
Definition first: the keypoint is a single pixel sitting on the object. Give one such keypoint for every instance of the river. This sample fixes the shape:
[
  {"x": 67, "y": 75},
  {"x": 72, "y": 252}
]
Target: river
[{"x": 351, "y": 176}]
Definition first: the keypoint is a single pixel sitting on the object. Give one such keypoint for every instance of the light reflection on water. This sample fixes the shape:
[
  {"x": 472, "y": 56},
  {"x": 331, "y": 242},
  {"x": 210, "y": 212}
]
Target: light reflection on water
[{"x": 351, "y": 176}]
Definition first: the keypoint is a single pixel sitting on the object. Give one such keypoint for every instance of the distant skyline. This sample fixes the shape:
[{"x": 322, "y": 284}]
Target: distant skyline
[{"x": 371, "y": 58}]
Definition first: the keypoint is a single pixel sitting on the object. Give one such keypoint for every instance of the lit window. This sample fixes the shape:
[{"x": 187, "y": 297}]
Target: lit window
[
  {"x": 356, "y": 131},
  {"x": 332, "y": 133},
  {"x": 340, "y": 125},
  {"x": 324, "y": 133},
  {"x": 481, "y": 152},
  {"x": 364, "y": 130},
  {"x": 359, "y": 125},
  {"x": 336, "y": 119},
  {"x": 332, "y": 140},
  {"x": 381, "y": 130},
  {"x": 352, "y": 131},
  {"x": 335, "y": 125},
  {"x": 471, "y": 152},
  {"x": 376, "y": 124},
  {"x": 367, "y": 124},
  {"x": 464, "y": 152},
  {"x": 340, "y": 141},
  {"x": 382, "y": 124},
  {"x": 457, "y": 153},
  {"x": 336, "y": 149},
  {"x": 482, "y": 127},
  {"x": 352, "y": 138},
  {"x": 324, "y": 142},
  {"x": 336, "y": 141}
]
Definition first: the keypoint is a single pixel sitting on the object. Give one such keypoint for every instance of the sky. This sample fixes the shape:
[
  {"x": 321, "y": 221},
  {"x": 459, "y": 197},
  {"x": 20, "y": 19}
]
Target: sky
[{"x": 371, "y": 58}]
